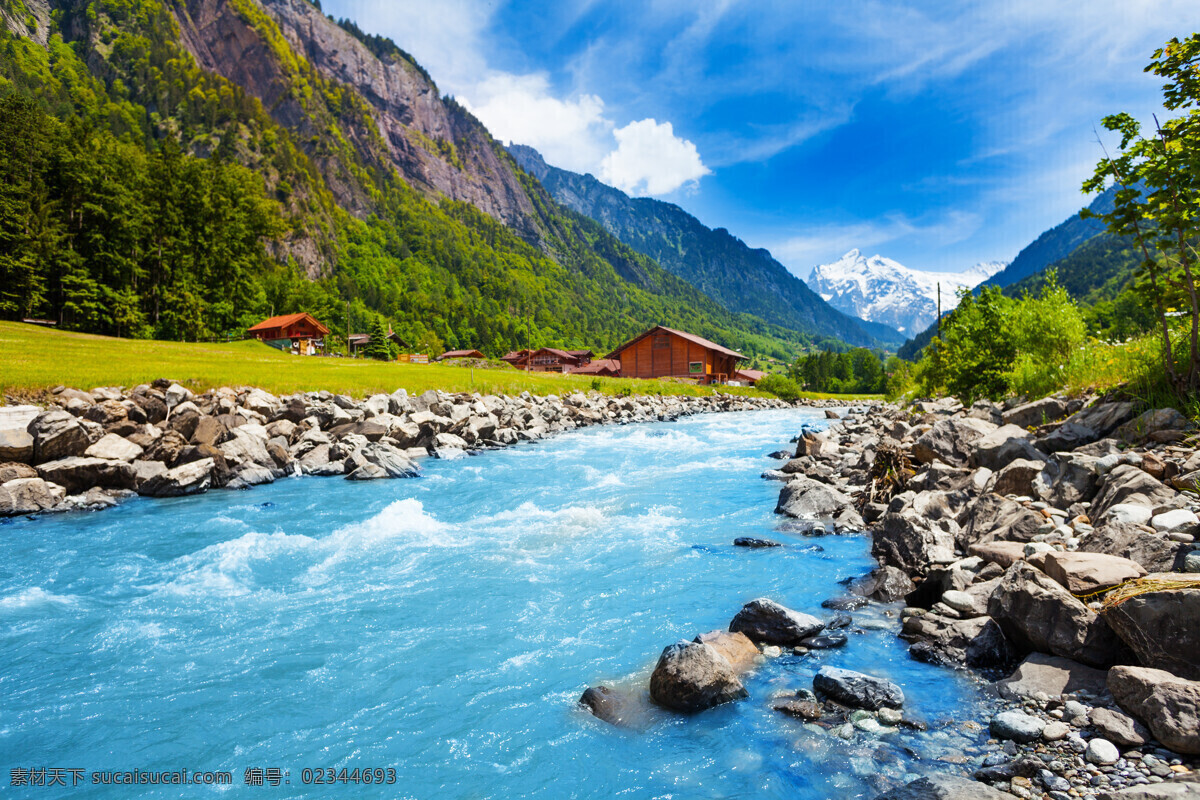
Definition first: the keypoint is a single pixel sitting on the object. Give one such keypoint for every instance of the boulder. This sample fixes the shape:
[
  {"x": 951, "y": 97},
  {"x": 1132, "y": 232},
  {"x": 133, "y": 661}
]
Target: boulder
[
  {"x": 1103, "y": 417},
  {"x": 768, "y": 622},
  {"x": 191, "y": 478},
  {"x": 1003, "y": 446},
  {"x": 247, "y": 445},
  {"x": 1180, "y": 520},
  {"x": 1162, "y": 628},
  {"x": 366, "y": 472},
  {"x": 145, "y": 470},
  {"x": 1017, "y": 726},
  {"x": 57, "y": 434},
  {"x": 1120, "y": 728},
  {"x": 1066, "y": 479},
  {"x": 1159, "y": 419},
  {"x": 885, "y": 585},
  {"x": 1037, "y": 413},
  {"x": 950, "y": 440},
  {"x": 1167, "y": 704},
  {"x": 166, "y": 448},
  {"x": 1017, "y": 477},
  {"x": 1003, "y": 553},
  {"x": 976, "y": 642},
  {"x": 211, "y": 431},
  {"x": 1178, "y": 787},
  {"x": 856, "y": 689},
  {"x": 993, "y": 517},
  {"x": 606, "y": 704},
  {"x": 1101, "y": 751},
  {"x": 1086, "y": 573},
  {"x": 1129, "y": 485},
  {"x": 800, "y": 709},
  {"x": 945, "y": 787},
  {"x": 753, "y": 543},
  {"x": 16, "y": 441},
  {"x": 912, "y": 542},
  {"x": 1036, "y": 613},
  {"x": 691, "y": 677},
  {"x": 12, "y": 470},
  {"x": 1153, "y": 553},
  {"x": 29, "y": 496},
  {"x": 805, "y": 498},
  {"x": 736, "y": 648},
  {"x": 392, "y": 461},
  {"x": 78, "y": 473},
  {"x": 114, "y": 448},
  {"x": 1054, "y": 677}
]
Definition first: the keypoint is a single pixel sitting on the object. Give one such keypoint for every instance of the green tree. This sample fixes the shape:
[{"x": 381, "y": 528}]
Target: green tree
[{"x": 1158, "y": 201}]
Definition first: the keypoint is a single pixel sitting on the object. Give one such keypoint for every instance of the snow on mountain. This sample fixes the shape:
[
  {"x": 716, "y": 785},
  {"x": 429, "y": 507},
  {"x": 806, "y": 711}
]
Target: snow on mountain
[{"x": 879, "y": 289}]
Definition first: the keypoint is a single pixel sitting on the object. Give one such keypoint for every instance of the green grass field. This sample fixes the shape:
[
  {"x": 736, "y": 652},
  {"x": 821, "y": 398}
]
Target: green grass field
[{"x": 36, "y": 359}]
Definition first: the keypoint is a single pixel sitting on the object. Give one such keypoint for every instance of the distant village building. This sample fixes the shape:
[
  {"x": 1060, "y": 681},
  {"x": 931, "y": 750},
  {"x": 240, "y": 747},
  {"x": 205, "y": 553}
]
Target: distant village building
[
  {"x": 461, "y": 354},
  {"x": 667, "y": 353},
  {"x": 358, "y": 341},
  {"x": 548, "y": 359},
  {"x": 300, "y": 334},
  {"x": 748, "y": 376},
  {"x": 603, "y": 367}
]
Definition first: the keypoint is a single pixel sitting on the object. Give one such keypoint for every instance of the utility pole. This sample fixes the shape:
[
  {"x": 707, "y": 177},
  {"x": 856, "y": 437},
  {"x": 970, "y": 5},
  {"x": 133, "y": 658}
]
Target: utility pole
[{"x": 348, "y": 325}]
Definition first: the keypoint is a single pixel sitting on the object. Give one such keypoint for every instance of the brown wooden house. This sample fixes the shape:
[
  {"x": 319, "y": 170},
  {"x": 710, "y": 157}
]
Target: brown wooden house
[
  {"x": 296, "y": 333},
  {"x": 604, "y": 367},
  {"x": 667, "y": 353},
  {"x": 460, "y": 354},
  {"x": 548, "y": 359}
]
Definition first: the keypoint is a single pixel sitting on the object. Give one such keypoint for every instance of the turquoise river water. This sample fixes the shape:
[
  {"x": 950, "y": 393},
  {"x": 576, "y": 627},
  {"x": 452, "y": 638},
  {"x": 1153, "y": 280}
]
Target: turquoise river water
[{"x": 443, "y": 628}]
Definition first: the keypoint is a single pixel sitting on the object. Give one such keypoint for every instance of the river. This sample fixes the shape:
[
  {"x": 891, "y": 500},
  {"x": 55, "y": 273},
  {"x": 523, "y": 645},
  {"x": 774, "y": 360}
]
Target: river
[{"x": 444, "y": 627}]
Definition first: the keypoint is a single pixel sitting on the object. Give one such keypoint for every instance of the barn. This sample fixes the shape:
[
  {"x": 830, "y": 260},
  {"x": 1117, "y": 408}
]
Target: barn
[
  {"x": 295, "y": 333},
  {"x": 667, "y": 353}
]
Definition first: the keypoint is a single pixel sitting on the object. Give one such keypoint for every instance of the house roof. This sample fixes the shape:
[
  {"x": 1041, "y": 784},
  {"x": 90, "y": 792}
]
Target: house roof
[
  {"x": 597, "y": 366},
  {"x": 691, "y": 337},
  {"x": 462, "y": 354},
  {"x": 581, "y": 353},
  {"x": 288, "y": 319},
  {"x": 751, "y": 374}
]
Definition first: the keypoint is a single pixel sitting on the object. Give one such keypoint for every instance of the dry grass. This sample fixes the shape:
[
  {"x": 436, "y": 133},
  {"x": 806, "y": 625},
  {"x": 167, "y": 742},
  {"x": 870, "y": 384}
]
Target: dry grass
[{"x": 1140, "y": 586}]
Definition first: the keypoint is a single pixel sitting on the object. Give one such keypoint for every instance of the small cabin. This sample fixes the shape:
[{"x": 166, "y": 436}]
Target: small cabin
[
  {"x": 460, "y": 354},
  {"x": 748, "y": 377},
  {"x": 603, "y": 367},
  {"x": 667, "y": 353},
  {"x": 299, "y": 334}
]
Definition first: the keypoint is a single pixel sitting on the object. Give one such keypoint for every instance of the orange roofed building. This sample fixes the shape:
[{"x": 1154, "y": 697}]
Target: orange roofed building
[
  {"x": 667, "y": 353},
  {"x": 296, "y": 333}
]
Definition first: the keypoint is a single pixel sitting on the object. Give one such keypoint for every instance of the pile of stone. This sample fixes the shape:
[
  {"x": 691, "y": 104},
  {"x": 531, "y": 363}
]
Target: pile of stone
[
  {"x": 90, "y": 450},
  {"x": 1005, "y": 534}
]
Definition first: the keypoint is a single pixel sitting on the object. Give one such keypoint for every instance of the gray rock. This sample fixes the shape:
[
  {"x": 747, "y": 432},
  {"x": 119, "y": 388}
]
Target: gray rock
[
  {"x": 1017, "y": 726},
  {"x": 993, "y": 518},
  {"x": 393, "y": 462},
  {"x": 1180, "y": 520},
  {"x": 1120, "y": 728},
  {"x": 1102, "y": 751},
  {"x": 977, "y": 642},
  {"x": 29, "y": 496},
  {"x": 57, "y": 434},
  {"x": 1154, "y": 553},
  {"x": 753, "y": 543},
  {"x": 16, "y": 442},
  {"x": 1054, "y": 677},
  {"x": 1129, "y": 485},
  {"x": 1167, "y": 704},
  {"x": 114, "y": 448},
  {"x": 884, "y": 585},
  {"x": 1159, "y": 419},
  {"x": 691, "y": 677},
  {"x": 805, "y": 498},
  {"x": 1037, "y": 413},
  {"x": 1002, "y": 447},
  {"x": 912, "y": 542},
  {"x": 606, "y": 704},
  {"x": 1181, "y": 787},
  {"x": 766, "y": 621},
  {"x": 78, "y": 474},
  {"x": 1055, "y": 731},
  {"x": 1066, "y": 479},
  {"x": 950, "y": 440},
  {"x": 190, "y": 478},
  {"x": 856, "y": 689},
  {"x": 1036, "y": 613},
  {"x": 1017, "y": 477},
  {"x": 945, "y": 787},
  {"x": 1162, "y": 628}
]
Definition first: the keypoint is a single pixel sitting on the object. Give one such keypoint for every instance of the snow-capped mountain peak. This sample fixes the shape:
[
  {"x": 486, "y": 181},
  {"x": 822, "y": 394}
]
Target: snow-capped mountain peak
[{"x": 879, "y": 289}]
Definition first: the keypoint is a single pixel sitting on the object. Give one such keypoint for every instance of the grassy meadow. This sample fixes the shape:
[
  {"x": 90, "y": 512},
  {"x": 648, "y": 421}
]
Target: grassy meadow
[{"x": 36, "y": 359}]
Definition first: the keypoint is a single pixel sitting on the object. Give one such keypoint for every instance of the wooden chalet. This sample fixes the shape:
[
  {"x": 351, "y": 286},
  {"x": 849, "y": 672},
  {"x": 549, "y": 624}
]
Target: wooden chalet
[
  {"x": 748, "y": 376},
  {"x": 548, "y": 359},
  {"x": 296, "y": 333},
  {"x": 460, "y": 354},
  {"x": 604, "y": 367},
  {"x": 358, "y": 341},
  {"x": 667, "y": 353}
]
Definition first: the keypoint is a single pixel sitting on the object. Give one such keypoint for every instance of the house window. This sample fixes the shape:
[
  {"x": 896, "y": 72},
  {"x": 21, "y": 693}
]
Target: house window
[
  {"x": 662, "y": 341},
  {"x": 696, "y": 367}
]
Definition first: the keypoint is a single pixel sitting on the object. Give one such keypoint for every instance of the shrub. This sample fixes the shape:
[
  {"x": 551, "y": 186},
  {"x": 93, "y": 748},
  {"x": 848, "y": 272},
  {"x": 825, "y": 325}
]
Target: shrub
[{"x": 781, "y": 387}]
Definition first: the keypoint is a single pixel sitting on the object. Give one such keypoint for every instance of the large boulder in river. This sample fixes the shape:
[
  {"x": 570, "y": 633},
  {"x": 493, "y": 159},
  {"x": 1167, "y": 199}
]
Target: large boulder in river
[
  {"x": 1036, "y": 613},
  {"x": 766, "y": 621},
  {"x": 1153, "y": 553},
  {"x": 950, "y": 440},
  {"x": 691, "y": 677},
  {"x": 1002, "y": 446},
  {"x": 736, "y": 648},
  {"x": 58, "y": 434},
  {"x": 1167, "y": 704},
  {"x": 1085, "y": 573},
  {"x": 805, "y": 498},
  {"x": 1162, "y": 628},
  {"x": 191, "y": 478},
  {"x": 884, "y": 585},
  {"x": 606, "y": 704},
  {"x": 945, "y": 787},
  {"x": 78, "y": 474},
  {"x": 856, "y": 689},
  {"x": 913, "y": 542},
  {"x": 29, "y": 496}
]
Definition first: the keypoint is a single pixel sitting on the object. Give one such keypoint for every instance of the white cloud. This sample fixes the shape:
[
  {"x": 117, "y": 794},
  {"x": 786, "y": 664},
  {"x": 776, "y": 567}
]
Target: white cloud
[
  {"x": 572, "y": 134},
  {"x": 650, "y": 160}
]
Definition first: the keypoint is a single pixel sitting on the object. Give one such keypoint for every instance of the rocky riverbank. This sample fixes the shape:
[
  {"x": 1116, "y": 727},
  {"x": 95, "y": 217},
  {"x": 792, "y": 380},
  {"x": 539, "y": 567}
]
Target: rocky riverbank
[
  {"x": 91, "y": 450},
  {"x": 1048, "y": 547}
]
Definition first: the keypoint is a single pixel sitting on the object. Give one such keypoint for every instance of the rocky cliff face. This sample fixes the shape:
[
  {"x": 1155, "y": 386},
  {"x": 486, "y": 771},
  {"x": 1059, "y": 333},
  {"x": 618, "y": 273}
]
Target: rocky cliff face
[{"x": 434, "y": 144}]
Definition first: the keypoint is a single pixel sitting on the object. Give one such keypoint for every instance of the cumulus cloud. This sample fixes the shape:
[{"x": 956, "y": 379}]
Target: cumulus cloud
[{"x": 650, "y": 159}]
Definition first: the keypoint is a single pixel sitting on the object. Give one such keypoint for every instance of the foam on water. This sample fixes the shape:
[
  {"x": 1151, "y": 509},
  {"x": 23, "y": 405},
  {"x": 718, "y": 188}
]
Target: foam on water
[{"x": 444, "y": 626}]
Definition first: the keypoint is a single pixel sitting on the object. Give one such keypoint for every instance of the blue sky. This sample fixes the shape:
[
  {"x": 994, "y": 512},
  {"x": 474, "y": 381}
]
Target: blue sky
[{"x": 936, "y": 133}]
